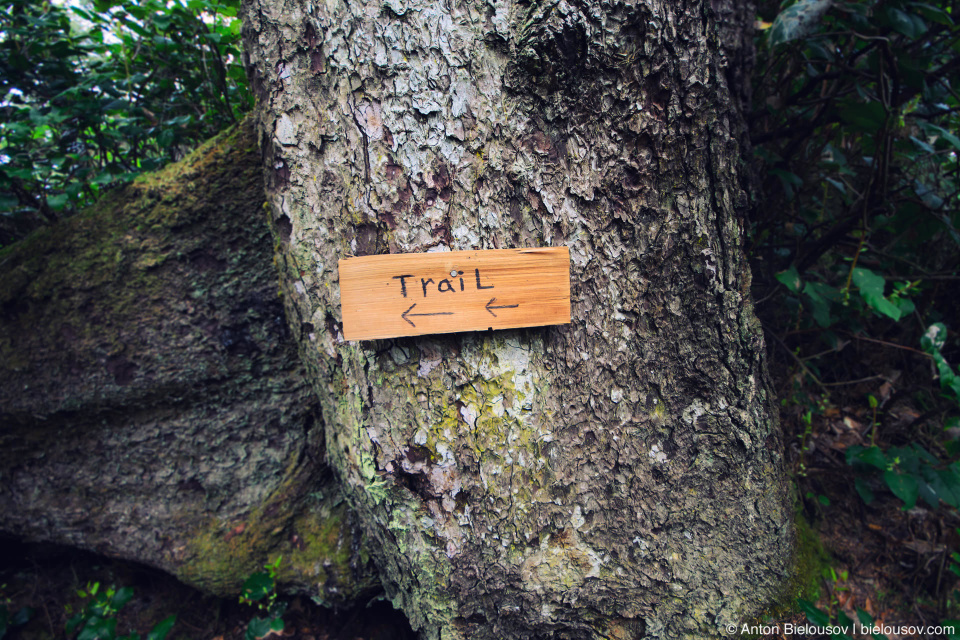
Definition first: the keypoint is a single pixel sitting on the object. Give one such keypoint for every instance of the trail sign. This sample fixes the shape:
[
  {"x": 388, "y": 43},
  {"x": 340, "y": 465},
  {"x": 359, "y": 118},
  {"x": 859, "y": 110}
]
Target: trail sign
[{"x": 412, "y": 294}]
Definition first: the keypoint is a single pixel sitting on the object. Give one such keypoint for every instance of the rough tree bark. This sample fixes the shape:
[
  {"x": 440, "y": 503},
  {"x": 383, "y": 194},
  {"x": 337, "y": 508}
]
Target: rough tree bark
[
  {"x": 152, "y": 406},
  {"x": 619, "y": 477}
]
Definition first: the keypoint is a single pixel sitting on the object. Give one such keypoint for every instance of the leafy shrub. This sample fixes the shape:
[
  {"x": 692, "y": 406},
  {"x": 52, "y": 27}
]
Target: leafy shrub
[
  {"x": 854, "y": 136},
  {"x": 90, "y": 98},
  {"x": 7, "y": 619},
  {"x": 97, "y": 620},
  {"x": 260, "y": 590},
  {"x": 855, "y": 237},
  {"x": 854, "y": 133}
]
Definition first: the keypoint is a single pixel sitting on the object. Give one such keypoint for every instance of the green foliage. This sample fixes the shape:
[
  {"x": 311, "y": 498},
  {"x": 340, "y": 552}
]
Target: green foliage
[
  {"x": 7, "y": 619},
  {"x": 933, "y": 342},
  {"x": 260, "y": 589},
  {"x": 97, "y": 620},
  {"x": 92, "y": 96},
  {"x": 912, "y": 472},
  {"x": 797, "y": 20},
  {"x": 854, "y": 133},
  {"x": 822, "y": 619},
  {"x": 854, "y": 125},
  {"x": 262, "y": 627},
  {"x": 856, "y": 240}
]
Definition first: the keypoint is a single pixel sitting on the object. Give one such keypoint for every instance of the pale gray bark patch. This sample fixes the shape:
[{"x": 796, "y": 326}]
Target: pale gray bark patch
[{"x": 617, "y": 477}]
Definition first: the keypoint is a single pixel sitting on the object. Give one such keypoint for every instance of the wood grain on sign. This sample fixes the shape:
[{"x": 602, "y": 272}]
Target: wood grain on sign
[{"x": 412, "y": 294}]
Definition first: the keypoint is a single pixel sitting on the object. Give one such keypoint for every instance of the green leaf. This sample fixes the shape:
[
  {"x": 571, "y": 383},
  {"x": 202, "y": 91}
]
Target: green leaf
[
  {"x": 103, "y": 178},
  {"x": 797, "y": 21},
  {"x": 179, "y": 121},
  {"x": 906, "y": 306},
  {"x": 929, "y": 495},
  {"x": 934, "y": 338},
  {"x": 930, "y": 198},
  {"x": 86, "y": 15},
  {"x": 947, "y": 485},
  {"x": 903, "y": 486},
  {"x": 23, "y": 174},
  {"x": 923, "y": 146},
  {"x": 932, "y": 13},
  {"x": 818, "y": 297},
  {"x": 871, "y": 456},
  {"x": 116, "y": 105},
  {"x": 908, "y": 24},
  {"x": 98, "y": 628},
  {"x": 58, "y": 201},
  {"x": 788, "y": 180},
  {"x": 160, "y": 631},
  {"x": 22, "y": 616},
  {"x": 923, "y": 454},
  {"x": 7, "y": 203},
  {"x": 907, "y": 459},
  {"x": 822, "y": 48},
  {"x": 272, "y": 567},
  {"x": 258, "y": 586},
  {"x": 258, "y": 628},
  {"x": 121, "y": 598},
  {"x": 790, "y": 279},
  {"x": 871, "y": 288},
  {"x": 838, "y": 185},
  {"x": 954, "y": 625},
  {"x": 866, "y": 494},
  {"x": 866, "y": 117},
  {"x": 814, "y": 615},
  {"x": 939, "y": 131},
  {"x": 103, "y": 6},
  {"x": 73, "y": 623}
]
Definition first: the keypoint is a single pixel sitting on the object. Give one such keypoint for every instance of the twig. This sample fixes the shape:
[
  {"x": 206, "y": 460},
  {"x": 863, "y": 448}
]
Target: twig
[
  {"x": 925, "y": 277},
  {"x": 843, "y": 382},
  {"x": 888, "y": 344},
  {"x": 823, "y": 353},
  {"x": 797, "y": 359}
]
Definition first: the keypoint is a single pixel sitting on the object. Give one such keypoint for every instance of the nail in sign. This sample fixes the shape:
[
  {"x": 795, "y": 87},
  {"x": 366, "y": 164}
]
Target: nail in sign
[{"x": 412, "y": 294}]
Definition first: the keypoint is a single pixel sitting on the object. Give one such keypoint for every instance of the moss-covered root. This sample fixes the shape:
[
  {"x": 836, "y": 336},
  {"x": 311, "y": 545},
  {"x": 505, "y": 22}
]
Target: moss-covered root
[{"x": 152, "y": 403}]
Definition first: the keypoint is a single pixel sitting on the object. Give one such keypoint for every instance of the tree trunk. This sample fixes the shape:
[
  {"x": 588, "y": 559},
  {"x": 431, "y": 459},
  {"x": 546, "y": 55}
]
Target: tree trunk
[
  {"x": 618, "y": 477},
  {"x": 152, "y": 404}
]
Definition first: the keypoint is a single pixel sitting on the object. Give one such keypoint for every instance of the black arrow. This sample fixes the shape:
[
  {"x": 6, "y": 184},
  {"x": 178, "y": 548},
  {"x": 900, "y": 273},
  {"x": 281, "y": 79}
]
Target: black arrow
[
  {"x": 407, "y": 312},
  {"x": 490, "y": 308}
]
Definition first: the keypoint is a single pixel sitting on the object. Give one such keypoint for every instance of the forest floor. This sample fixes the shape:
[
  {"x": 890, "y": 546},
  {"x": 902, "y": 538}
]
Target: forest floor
[
  {"x": 875, "y": 559},
  {"x": 47, "y": 578}
]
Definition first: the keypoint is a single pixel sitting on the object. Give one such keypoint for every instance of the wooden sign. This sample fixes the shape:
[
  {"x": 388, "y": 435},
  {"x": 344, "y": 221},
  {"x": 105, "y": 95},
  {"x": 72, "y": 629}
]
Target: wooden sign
[{"x": 412, "y": 294}]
